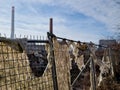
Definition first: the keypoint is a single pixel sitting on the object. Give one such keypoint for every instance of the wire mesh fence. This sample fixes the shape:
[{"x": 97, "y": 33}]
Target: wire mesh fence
[
  {"x": 24, "y": 66},
  {"x": 38, "y": 64},
  {"x": 87, "y": 76}
]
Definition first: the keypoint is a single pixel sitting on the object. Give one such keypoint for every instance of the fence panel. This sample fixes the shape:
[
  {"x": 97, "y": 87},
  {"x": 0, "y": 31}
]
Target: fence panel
[
  {"x": 24, "y": 68},
  {"x": 28, "y": 65},
  {"x": 62, "y": 61}
]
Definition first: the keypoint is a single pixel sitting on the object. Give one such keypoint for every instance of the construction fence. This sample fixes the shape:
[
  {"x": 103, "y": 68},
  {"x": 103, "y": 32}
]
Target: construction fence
[{"x": 35, "y": 64}]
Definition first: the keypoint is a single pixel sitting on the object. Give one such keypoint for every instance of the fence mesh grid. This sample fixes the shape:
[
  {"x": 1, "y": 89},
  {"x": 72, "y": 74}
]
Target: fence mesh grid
[
  {"x": 62, "y": 60},
  {"x": 15, "y": 71},
  {"x": 19, "y": 70}
]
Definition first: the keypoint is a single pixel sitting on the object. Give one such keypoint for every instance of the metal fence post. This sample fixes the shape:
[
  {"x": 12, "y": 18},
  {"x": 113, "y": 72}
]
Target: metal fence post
[
  {"x": 92, "y": 75},
  {"x": 112, "y": 63},
  {"x": 52, "y": 57}
]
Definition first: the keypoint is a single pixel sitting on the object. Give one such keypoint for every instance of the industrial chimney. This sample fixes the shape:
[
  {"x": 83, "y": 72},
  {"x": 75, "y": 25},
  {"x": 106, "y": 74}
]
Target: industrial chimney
[{"x": 12, "y": 23}]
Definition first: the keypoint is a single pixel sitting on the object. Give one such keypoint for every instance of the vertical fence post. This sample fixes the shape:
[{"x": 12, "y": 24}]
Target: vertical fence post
[
  {"x": 112, "y": 63},
  {"x": 52, "y": 57},
  {"x": 92, "y": 75}
]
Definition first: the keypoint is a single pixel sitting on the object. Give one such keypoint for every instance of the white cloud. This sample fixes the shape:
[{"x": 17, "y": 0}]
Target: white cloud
[
  {"x": 39, "y": 1},
  {"x": 35, "y": 22},
  {"x": 106, "y": 11}
]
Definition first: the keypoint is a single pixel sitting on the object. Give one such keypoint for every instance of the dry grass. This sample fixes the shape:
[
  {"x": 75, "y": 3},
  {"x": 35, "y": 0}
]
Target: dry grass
[{"x": 108, "y": 83}]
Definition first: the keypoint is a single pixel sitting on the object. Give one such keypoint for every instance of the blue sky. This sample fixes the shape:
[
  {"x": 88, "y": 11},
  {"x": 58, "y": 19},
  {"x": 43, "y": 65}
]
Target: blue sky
[{"x": 84, "y": 20}]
